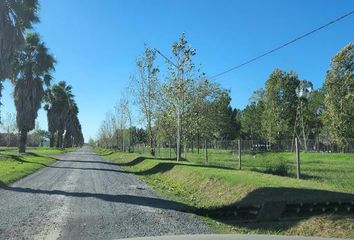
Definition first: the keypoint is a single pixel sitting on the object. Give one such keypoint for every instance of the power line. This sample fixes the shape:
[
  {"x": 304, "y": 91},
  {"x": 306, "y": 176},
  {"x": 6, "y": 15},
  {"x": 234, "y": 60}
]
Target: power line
[
  {"x": 166, "y": 58},
  {"x": 284, "y": 45}
]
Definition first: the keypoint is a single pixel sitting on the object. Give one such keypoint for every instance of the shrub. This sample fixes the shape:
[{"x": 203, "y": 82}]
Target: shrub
[{"x": 280, "y": 169}]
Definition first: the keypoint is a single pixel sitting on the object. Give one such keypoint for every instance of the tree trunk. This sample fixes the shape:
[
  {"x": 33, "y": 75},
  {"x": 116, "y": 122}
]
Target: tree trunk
[
  {"x": 60, "y": 139},
  {"x": 123, "y": 145},
  {"x": 22, "y": 142},
  {"x": 303, "y": 127},
  {"x": 152, "y": 147},
  {"x": 51, "y": 140},
  {"x": 117, "y": 138},
  {"x": 179, "y": 136},
  {"x": 198, "y": 142}
]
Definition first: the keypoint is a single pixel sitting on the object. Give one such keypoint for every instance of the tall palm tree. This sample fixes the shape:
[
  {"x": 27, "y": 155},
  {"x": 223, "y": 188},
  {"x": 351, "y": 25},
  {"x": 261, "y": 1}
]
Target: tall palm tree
[
  {"x": 50, "y": 117},
  {"x": 58, "y": 100},
  {"x": 15, "y": 17},
  {"x": 73, "y": 133},
  {"x": 77, "y": 136},
  {"x": 70, "y": 124},
  {"x": 32, "y": 70}
]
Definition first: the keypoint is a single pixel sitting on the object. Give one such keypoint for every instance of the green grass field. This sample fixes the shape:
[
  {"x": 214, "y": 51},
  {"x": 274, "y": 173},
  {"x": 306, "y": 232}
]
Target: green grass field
[
  {"x": 334, "y": 168},
  {"x": 14, "y": 166},
  {"x": 194, "y": 183}
]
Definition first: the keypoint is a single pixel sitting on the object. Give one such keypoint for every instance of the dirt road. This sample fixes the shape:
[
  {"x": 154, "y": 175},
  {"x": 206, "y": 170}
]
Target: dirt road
[{"x": 84, "y": 196}]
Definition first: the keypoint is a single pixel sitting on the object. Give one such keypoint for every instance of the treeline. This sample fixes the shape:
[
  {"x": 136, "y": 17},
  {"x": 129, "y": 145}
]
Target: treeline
[
  {"x": 26, "y": 61},
  {"x": 187, "y": 108},
  {"x": 184, "y": 107},
  {"x": 289, "y": 107}
]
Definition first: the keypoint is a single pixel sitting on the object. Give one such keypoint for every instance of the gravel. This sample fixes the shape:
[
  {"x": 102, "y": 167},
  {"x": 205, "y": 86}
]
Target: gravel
[{"x": 84, "y": 196}]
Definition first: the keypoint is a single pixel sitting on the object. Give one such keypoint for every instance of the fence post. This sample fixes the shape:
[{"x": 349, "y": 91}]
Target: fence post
[
  {"x": 239, "y": 154},
  {"x": 185, "y": 151},
  {"x": 206, "y": 150},
  {"x": 297, "y": 150},
  {"x": 169, "y": 146}
]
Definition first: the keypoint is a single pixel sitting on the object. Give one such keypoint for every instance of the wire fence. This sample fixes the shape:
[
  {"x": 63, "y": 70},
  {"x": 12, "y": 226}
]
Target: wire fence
[
  {"x": 315, "y": 159},
  {"x": 168, "y": 150}
]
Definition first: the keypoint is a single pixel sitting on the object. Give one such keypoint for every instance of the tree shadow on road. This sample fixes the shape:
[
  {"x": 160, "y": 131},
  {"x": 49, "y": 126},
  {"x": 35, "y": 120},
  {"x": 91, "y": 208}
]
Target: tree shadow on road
[
  {"x": 89, "y": 169},
  {"x": 83, "y": 161},
  {"x": 250, "y": 212}
]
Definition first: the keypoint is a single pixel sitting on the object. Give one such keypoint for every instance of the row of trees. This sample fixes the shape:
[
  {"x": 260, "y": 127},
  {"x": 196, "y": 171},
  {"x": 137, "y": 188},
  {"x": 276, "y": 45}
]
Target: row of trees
[
  {"x": 289, "y": 107},
  {"x": 26, "y": 61},
  {"x": 184, "y": 107},
  {"x": 117, "y": 130},
  {"x": 62, "y": 113},
  {"x": 187, "y": 107}
]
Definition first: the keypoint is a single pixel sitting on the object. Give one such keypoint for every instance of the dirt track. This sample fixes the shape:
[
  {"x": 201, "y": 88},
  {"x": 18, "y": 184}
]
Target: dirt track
[{"x": 84, "y": 196}]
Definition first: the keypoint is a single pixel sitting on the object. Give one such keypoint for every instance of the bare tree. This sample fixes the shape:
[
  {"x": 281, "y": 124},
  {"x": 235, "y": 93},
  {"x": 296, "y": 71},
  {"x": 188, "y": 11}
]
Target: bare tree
[
  {"x": 145, "y": 87},
  {"x": 178, "y": 90},
  {"x": 106, "y": 131},
  {"x": 126, "y": 117},
  {"x": 10, "y": 127}
]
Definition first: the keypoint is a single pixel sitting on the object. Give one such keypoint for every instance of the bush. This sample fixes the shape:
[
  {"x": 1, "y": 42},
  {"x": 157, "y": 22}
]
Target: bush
[{"x": 280, "y": 169}]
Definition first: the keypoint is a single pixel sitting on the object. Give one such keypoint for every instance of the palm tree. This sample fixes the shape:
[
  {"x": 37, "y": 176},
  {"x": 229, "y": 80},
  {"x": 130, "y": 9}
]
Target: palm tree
[
  {"x": 70, "y": 125},
  {"x": 32, "y": 70},
  {"x": 58, "y": 100},
  {"x": 15, "y": 17},
  {"x": 50, "y": 117},
  {"x": 73, "y": 133}
]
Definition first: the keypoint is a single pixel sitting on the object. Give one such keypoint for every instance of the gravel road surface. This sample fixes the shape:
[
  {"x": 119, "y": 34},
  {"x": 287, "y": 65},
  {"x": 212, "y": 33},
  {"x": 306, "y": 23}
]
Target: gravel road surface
[{"x": 84, "y": 196}]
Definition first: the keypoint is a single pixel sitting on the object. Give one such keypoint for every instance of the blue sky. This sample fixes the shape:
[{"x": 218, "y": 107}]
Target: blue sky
[{"x": 96, "y": 43}]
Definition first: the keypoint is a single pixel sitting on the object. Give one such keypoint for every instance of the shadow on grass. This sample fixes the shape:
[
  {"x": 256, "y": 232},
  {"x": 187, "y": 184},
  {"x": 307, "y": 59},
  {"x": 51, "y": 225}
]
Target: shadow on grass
[
  {"x": 22, "y": 160},
  {"x": 19, "y": 158},
  {"x": 165, "y": 166},
  {"x": 141, "y": 159},
  {"x": 134, "y": 162},
  {"x": 288, "y": 174},
  {"x": 15, "y": 158},
  {"x": 158, "y": 168},
  {"x": 252, "y": 212},
  {"x": 33, "y": 154},
  {"x": 103, "y": 154}
]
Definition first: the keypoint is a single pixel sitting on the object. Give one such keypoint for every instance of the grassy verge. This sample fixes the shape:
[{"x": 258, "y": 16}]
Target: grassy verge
[
  {"x": 14, "y": 166},
  {"x": 317, "y": 166},
  {"x": 209, "y": 187}
]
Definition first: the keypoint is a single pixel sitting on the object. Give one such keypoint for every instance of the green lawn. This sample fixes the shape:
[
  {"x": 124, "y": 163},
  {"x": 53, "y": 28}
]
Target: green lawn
[
  {"x": 14, "y": 166},
  {"x": 334, "y": 168},
  {"x": 328, "y": 177}
]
